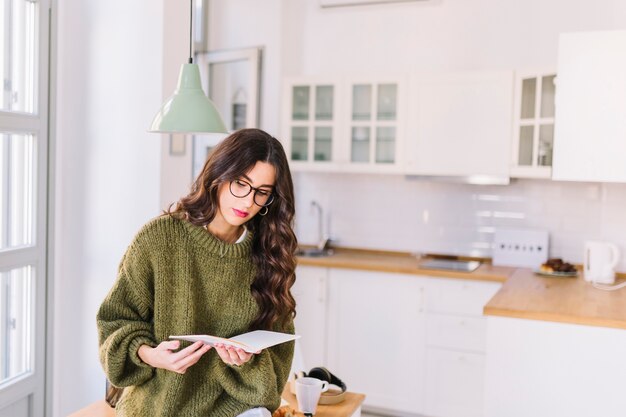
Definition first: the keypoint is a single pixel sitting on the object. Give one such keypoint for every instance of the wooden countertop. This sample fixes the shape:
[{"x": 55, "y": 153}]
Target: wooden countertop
[
  {"x": 526, "y": 295},
  {"x": 346, "y": 408},
  {"x": 523, "y": 294},
  {"x": 400, "y": 262}
]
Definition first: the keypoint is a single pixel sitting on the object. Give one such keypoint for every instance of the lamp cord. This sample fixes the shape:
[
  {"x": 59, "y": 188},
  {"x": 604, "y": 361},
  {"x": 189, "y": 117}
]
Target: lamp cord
[{"x": 190, "y": 31}]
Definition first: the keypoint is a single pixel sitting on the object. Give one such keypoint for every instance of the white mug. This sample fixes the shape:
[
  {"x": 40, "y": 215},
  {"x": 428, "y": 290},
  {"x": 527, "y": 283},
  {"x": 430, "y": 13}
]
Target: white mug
[
  {"x": 601, "y": 258},
  {"x": 308, "y": 392}
]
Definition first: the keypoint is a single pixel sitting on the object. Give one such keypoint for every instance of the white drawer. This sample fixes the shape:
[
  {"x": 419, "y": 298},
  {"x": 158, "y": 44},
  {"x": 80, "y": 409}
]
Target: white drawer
[
  {"x": 454, "y": 383},
  {"x": 459, "y": 296},
  {"x": 456, "y": 332}
]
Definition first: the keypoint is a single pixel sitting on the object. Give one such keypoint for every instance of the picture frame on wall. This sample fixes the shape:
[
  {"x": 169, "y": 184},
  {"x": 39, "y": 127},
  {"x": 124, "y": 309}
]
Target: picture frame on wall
[{"x": 232, "y": 78}]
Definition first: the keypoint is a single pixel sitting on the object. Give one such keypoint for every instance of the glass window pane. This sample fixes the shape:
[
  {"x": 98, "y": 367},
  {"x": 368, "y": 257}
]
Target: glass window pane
[
  {"x": 385, "y": 144},
  {"x": 547, "y": 96},
  {"x": 300, "y": 110},
  {"x": 525, "y": 154},
  {"x": 299, "y": 143},
  {"x": 323, "y": 143},
  {"x": 18, "y": 53},
  {"x": 387, "y": 94},
  {"x": 16, "y": 322},
  {"x": 360, "y": 144},
  {"x": 546, "y": 137},
  {"x": 17, "y": 190},
  {"x": 362, "y": 102},
  {"x": 324, "y": 102},
  {"x": 529, "y": 90}
]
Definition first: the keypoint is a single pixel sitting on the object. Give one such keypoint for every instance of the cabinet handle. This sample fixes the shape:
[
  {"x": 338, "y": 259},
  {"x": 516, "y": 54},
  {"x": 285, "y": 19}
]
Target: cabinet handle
[{"x": 421, "y": 301}]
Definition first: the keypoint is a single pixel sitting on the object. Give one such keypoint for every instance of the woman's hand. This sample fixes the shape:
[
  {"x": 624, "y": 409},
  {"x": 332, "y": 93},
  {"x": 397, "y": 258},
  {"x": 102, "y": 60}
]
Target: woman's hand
[
  {"x": 233, "y": 356},
  {"x": 163, "y": 357}
]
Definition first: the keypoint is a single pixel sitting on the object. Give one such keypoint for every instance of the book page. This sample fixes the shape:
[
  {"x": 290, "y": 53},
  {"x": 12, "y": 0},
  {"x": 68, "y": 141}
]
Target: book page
[{"x": 251, "y": 342}]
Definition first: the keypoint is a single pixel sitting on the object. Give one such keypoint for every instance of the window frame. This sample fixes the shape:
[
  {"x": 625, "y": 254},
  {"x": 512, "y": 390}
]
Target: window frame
[{"x": 33, "y": 385}]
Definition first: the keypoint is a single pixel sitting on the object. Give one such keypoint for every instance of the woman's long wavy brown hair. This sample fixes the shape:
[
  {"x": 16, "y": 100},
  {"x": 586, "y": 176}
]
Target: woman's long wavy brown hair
[{"x": 274, "y": 242}]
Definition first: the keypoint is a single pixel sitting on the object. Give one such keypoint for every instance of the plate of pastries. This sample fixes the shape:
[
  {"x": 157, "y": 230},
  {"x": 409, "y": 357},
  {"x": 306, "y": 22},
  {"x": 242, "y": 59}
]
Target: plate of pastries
[
  {"x": 286, "y": 411},
  {"x": 555, "y": 267}
]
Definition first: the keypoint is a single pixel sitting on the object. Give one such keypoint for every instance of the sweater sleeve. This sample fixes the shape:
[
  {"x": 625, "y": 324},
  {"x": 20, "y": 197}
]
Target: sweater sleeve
[
  {"x": 260, "y": 381},
  {"x": 125, "y": 320}
]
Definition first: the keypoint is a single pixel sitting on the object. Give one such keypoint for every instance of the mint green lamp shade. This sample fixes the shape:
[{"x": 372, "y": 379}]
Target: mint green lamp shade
[{"x": 188, "y": 110}]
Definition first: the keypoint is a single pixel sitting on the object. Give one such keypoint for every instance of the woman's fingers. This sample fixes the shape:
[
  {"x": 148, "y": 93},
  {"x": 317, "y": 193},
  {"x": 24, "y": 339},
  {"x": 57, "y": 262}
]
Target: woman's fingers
[
  {"x": 191, "y": 359},
  {"x": 243, "y": 355},
  {"x": 186, "y": 352},
  {"x": 169, "y": 345},
  {"x": 223, "y": 353},
  {"x": 232, "y": 355}
]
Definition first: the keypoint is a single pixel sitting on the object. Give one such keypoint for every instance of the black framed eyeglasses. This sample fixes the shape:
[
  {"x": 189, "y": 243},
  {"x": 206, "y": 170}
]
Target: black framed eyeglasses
[{"x": 240, "y": 189}]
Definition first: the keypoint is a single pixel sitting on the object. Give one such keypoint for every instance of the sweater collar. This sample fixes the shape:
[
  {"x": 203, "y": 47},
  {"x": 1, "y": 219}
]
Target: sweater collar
[{"x": 222, "y": 249}]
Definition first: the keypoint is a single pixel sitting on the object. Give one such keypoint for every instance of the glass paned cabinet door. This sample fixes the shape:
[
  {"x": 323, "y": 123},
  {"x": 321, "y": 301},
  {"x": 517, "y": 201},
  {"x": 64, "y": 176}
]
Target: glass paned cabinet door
[
  {"x": 300, "y": 107},
  {"x": 324, "y": 102},
  {"x": 526, "y": 145},
  {"x": 535, "y": 120},
  {"x": 387, "y": 101},
  {"x": 385, "y": 144},
  {"x": 323, "y": 143},
  {"x": 311, "y": 122},
  {"x": 374, "y": 122},
  {"x": 529, "y": 89},
  {"x": 360, "y": 144},
  {"x": 546, "y": 140},
  {"x": 362, "y": 102},
  {"x": 547, "y": 96},
  {"x": 299, "y": 143}
]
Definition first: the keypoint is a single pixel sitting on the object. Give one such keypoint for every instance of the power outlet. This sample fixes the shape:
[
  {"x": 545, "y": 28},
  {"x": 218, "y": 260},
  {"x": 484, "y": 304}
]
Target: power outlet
[{"x": 525, "y": 248}]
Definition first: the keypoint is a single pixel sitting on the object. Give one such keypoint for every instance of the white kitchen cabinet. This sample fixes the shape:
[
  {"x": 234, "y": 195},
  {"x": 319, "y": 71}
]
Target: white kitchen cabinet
[
  {"x": 461, "y": 125},
  {"x": 374, "y": 123},
  {"x": 311, "y": 123},
  {"x": 456, "y": 333},
  {"x": 376, "y": 337},
  {"x": 455, "y": 383},
  {"x": 590, "y": 130},
  {"x": 336, "y": 124},
  {"x": 412, "y": 344},
  {"x": 311, "y": 294},
  {"x": 533, "y": 126},
  {"x": 540, "y": 368},
  {"x": 459, "y": 296}
]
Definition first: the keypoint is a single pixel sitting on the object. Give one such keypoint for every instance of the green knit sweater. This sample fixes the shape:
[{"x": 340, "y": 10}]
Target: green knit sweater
[{"x": 176, "y": 278}]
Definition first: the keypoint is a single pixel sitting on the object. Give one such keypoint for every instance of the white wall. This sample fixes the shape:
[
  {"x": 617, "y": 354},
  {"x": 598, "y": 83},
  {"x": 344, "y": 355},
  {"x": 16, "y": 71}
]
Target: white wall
[
  {"x": 441, "y": 35},
  {"x": 107, "y": 177}
]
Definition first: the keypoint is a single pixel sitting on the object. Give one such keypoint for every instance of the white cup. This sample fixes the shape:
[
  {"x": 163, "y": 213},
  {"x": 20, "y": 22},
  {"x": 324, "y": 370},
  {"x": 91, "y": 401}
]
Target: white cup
[{"x": 308, "y": 391}]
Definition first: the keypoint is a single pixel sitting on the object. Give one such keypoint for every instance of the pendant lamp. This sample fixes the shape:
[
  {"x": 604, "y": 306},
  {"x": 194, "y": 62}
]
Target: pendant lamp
[{"x": 188, "y": 110}]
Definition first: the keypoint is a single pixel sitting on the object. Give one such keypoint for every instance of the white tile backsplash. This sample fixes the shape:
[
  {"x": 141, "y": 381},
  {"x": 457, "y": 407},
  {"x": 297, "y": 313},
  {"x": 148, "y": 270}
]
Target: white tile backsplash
[{"x": 395, "y": 213}]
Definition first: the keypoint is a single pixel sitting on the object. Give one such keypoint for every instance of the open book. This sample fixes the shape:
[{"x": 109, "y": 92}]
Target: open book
[{"x": 250, "y": 342}]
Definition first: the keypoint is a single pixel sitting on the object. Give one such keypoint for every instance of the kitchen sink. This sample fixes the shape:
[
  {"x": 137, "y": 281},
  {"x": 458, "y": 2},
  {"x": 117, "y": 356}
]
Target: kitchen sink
[{"x": 314, "y": 252}]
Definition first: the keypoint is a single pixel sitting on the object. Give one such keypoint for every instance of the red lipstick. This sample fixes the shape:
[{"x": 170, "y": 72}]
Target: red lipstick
[{"x": 240, "y": 213}]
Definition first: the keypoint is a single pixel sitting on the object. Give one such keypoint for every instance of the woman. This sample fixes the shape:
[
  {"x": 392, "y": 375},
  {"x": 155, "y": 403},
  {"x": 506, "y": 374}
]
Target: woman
[{"x": 221, "y": 263}]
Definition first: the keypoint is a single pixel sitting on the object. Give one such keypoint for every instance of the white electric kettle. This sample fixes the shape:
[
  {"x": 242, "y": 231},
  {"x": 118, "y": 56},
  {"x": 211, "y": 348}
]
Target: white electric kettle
[{"x": 601, "y": 258}]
